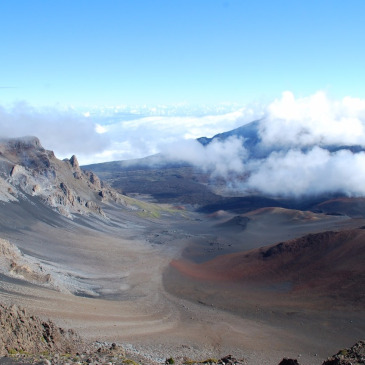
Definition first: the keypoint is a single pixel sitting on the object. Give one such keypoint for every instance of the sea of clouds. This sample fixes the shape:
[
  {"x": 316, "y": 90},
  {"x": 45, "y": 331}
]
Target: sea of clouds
[{"x": 295, "y": 131}]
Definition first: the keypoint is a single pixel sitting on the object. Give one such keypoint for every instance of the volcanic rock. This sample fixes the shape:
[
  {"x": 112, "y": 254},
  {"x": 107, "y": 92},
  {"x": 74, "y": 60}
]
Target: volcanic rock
[
  {"x": 286, "y": 361},
  {"x": 354, "y": 355},
  {"x": 74, "y": 162},
  {"x": 21, "y": 331},
  {"x": 27, "y": 169}
]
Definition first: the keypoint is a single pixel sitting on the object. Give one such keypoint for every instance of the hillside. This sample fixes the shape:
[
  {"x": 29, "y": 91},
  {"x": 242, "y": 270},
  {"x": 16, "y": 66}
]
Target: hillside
[
  {"x": 190, "y": 281},
  {"x": 326, "y": 265},
  {"x": 28, "y": 170},
  {"x": 29, "y": 173}
]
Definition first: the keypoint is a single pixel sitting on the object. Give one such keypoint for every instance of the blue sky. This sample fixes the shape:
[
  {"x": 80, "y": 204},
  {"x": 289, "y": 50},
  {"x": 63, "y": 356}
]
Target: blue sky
[{"x": 165, "y": 52}]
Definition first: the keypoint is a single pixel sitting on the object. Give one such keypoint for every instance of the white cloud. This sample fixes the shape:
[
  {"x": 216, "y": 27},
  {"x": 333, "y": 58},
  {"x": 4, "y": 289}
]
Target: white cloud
[
  {"x": 149, "y": 135},
  {"x": 100, "y": 129},
  {"x": 296, "y": 129},
  {"x": 314, "y": 120},
  {"x": 106, "y": 136},
  {"x": 63, "y": 131},
  {"x": 297, "y": 173},
  {"x": 222, "y": 159}
]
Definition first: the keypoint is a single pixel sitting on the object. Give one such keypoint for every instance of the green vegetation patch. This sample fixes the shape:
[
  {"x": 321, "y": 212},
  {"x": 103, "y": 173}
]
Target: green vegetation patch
[
  {"x": 150, "y": 210},
  {"x": 130, "y": 362}
]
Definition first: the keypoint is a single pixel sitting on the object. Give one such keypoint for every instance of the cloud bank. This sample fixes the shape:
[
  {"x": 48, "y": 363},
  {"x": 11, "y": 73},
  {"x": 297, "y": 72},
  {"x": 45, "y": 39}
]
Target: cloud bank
[
  {"x": 309, "y": 143},
  {"x": 101, "y": 135},
  {"x": 315, "y": 172},
  {"x": 154, "y": 134},
  {"x": 63, "y": 131},
  {"x": 299, "y": 135},
  {"x": 314, "y": 120},
  {"x": 222, "y": 159}
]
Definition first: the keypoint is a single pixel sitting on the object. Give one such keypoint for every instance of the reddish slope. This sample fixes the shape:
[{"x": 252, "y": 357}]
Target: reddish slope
[{"x": 327, "y": 263}]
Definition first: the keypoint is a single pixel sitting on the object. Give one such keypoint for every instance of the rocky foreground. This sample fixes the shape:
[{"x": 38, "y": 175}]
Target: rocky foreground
[{"x": 27, "y": 339}]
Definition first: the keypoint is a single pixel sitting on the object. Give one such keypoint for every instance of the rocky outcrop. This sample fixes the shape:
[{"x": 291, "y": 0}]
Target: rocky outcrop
[
  {"x": 354, "y": 355},
  {"x": 93, "y": 180},
  {"x": 74, "y": 162},
  {"x": 27, "y": 169},
  {"x": 15, "y": 170},
  {"x": 22, "y": 332}
]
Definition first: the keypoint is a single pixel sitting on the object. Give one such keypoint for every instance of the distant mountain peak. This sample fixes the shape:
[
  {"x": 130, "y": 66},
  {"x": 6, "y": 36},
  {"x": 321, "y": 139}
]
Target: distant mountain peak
[{"x": 249, "y": 132}]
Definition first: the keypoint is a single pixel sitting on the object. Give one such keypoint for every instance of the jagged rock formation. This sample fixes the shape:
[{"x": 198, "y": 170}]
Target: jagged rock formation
[
  {"x": 354, "y": 355},
  {"x": 21, "y": 332},
  {"x": 27, "y": 169}
]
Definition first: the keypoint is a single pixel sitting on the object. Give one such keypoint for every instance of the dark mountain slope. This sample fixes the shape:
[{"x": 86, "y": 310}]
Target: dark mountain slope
[
  {"x": 166, "y": 182},
  {"x": 248, "y": 132}
]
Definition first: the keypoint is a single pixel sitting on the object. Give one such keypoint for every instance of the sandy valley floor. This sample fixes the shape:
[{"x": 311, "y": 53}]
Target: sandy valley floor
[{"x": 128, "y": 292}]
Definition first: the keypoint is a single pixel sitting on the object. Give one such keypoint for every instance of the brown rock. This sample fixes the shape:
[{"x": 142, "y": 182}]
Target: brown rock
[
  {"x": 354, "y": 355},
  {"x": 74, "y": 163},
  {"x": 21, "y": 332}
]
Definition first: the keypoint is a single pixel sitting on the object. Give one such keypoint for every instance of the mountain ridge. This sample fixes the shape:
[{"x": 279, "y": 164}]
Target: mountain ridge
[{"x": 29, "y": 171}]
